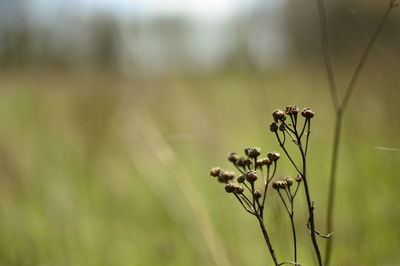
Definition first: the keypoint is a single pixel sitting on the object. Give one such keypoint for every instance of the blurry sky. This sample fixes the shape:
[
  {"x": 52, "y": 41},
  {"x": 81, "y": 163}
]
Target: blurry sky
[{"x": 197, "y": 9}]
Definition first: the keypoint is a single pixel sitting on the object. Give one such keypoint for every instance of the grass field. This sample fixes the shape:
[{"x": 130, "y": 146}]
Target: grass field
[{"x": 104, "y": 169}]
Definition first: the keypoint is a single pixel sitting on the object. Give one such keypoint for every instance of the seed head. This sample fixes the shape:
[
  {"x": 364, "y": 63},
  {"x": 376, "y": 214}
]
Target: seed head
[
  {"x": 243, "y": 162},
  {"x": 289, "y": 181},
  {"x": 273, "y": 127},
  {"x": 259, "y": 163},
  {"x": 273, "y": 156},
  {"x": 307, "y": 113},
  {"x": 252, "y": 152},
  {"x": 215, "y": 171},
  {"x": 251, "y": 176},
  {"x": 241, "y": 179},
  {"x": 278, "y": 115},
  {"x": 298, "y": 178},
  {"x": 238, "y": 189},
  {"x": 233, "y": 157},
  {"x": 225, "y": 176},
  {"x": 282, "y": 127},
  {"x": 283, "y": 184},
  {"x": 292, "y": 110},
  {"x": 257, "y": 194},
  {"x": 266, "y": 161},
  {"x": 230, "y": 188},
  {"x": 275, "y": 185}
]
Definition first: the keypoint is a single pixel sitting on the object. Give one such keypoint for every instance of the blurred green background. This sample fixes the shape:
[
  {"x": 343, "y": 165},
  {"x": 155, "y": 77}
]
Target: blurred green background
[{"x": 113, "y": 112}]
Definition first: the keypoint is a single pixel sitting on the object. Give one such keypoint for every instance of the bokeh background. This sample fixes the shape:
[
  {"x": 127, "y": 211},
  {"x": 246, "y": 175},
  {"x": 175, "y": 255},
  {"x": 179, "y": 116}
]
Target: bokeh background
[{"x": 113, "y": 112}]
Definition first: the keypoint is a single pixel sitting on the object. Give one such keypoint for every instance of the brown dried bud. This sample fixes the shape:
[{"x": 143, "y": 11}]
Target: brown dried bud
[
  {"x": 307, "y": 113},
  {"x": 275, "y": 185},
  {"x": 225, "y": 176},
  {"x": 278, "y": 115},
  {"x": 215, "y": 171},
  {"x": 259, "y": 163},
  {"x": 241, "y": 179},
  {"x": 282, "y": 127},
  {"x": 238, "y": 189},
  {"x": 233, "y": 157},
  {"x": 251, "y": 176},
  {"x": 283, "y": 184},
  {"x": 257, "y": 194},
  {"x": 298, "y": 178},
  {"x": 273, "y": 156},
  {"x": 292, "y": 110},
  {"x": 289, "y": 181},
  {"x": 273, "y": 127},
  {"x": 230, "y": 188},
  {"x": 252, "y": 152},
  {"x": 242, "y": 162},
  {"x": 266, "y": 161}
]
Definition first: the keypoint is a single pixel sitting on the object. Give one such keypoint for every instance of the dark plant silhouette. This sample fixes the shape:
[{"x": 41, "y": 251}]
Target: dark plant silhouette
[{"x": 287, "y": 128}]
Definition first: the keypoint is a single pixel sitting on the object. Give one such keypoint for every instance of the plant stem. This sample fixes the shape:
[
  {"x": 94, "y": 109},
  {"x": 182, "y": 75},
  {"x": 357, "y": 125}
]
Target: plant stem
[
  {"x": 294, "y": 236},
  {"x": 310, "y": 207},
  {"x": 267, "y": 240},
  {"x": 340, "y": 111}
]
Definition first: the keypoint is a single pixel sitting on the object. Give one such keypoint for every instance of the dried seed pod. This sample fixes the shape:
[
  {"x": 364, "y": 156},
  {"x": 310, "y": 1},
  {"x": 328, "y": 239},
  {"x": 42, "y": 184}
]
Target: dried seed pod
[
  {"x": 283, "y": 184},
  {"x": 215, "y": 171},
  {"x": 282, "y": 127},
  {"x": 233, "y": 157},
  {"x": 274, "y": 127},
  {"x": 252, "y": 152},
  {"x": 289, "y": 181},
  {"x": 292, "y": 110},
  {"x": 242, "y": 162},
  {"x": 307, "y": 113},
  {"x": 273, "y": 156},
  {"x": 225, "y": 176},
  {"x": 238, "y": 189},
  {"x": 241, "y": 179},
  {"x": 266, "y": 161},
  {"x": 259, "y": 163},
  {"x": 298, "y": 178},
  {"x": 257, "y": 194},
  {"x": 275, "y": 185},
  {"x": 278, "y": 115},
  {"x": 251, "y": 176},
  {"x": 230, "y": 188}
]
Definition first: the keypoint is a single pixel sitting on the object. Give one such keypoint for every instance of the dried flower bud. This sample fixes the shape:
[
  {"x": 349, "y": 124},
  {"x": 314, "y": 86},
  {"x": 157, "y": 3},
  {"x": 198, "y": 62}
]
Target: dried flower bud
[
  {"x": 273, "y": 127},
  {"x": 266, "y": 161},
  {"x": 289, "y": 181},
  {"x": 238, "y": 189},
  {"x": 307, "y": 113},
  {"x": 230, "y": 188},
  {"x": 275, "y": 185},
  {"x": 259, "y": 163},
  {"x": 278, "y": 115},
  {"x": 251, "y": 176},
  {"x": 282, "y": 127},
  {"x": 273, "y": 156},
  {"x": 233, "y": 157},
  {"x": 215, "y": 171},
  {"x": 241, "y": 162},
  {"x": 292, "y": 110},
  {"x": 257, "y": 194},
  {"x": 241, "y": 179},
  {"x": 225, "y": 176},
  {"x": 298, "y": 178},
  {"x": 252, "y": 152},
  {"x": 283, "y": 184}
]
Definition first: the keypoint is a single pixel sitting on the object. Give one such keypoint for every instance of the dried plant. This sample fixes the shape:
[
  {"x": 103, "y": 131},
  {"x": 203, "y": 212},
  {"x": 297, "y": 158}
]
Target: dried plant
[{"x": 286, "y": 126}]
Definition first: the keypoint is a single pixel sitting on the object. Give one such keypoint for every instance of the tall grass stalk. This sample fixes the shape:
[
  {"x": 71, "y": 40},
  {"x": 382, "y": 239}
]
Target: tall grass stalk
[
  {"x": 165, "y": 155},
  {"x": 340, "y": 106}
]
